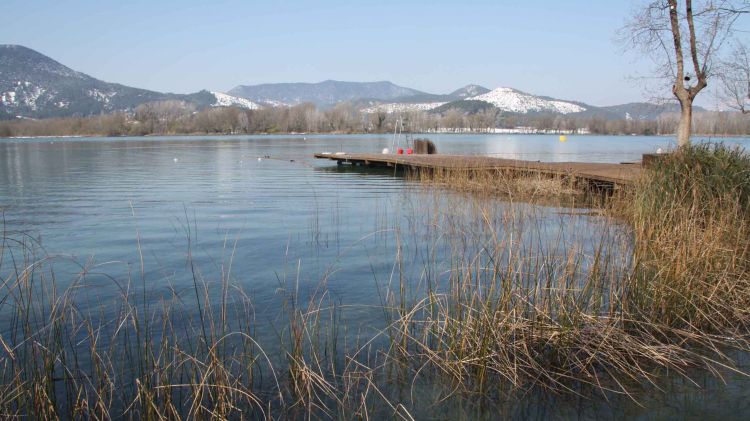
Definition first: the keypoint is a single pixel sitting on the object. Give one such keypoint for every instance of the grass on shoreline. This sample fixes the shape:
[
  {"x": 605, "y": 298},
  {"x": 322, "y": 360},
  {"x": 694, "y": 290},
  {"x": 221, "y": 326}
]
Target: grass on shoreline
[
  {"x": 529, "y": 187},
  {"x": 670, "y": 292},
  {"x": 682, "y": 300}
]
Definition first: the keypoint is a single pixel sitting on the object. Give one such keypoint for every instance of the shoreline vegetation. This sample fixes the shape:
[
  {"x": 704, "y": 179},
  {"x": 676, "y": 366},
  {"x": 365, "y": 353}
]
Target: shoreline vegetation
[
  {"x": 179, "y": 118},
  {"x": 198, "y": 134},
  {"x": 665, "y": 291},
  {"x": 92, "y": 136}
]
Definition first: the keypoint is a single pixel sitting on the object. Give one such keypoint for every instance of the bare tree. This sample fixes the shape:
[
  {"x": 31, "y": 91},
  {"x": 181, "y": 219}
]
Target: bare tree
[
  {"x": 685, "y": 38},
  {"x": 735, "y": 78},
  {"x": 380, "y": 116}
]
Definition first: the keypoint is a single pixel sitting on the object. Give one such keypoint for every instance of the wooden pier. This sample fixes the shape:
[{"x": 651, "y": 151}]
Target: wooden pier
[{"x": 601, "y": 174}]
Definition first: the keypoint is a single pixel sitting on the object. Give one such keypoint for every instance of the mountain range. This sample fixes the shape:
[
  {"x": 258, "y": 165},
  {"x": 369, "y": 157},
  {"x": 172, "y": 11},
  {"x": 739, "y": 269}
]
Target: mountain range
[
  {"x": 33, "y": 85},
  {"x": 326, "y": 93}
]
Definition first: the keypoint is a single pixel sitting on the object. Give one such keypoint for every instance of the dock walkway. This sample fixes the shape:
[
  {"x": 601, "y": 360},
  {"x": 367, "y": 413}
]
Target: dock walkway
[{"x": 596, "y": 173}]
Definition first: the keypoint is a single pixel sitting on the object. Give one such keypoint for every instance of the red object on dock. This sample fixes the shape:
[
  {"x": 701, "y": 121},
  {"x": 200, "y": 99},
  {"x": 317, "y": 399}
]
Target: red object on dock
[
  {"x": 409, "y": 151},
  {"x": 400, "y": 151}
]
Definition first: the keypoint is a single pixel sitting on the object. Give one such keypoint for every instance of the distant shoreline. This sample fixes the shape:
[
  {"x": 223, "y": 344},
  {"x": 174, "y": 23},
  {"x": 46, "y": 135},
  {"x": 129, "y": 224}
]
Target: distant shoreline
[{"x": 86, "y": 136}]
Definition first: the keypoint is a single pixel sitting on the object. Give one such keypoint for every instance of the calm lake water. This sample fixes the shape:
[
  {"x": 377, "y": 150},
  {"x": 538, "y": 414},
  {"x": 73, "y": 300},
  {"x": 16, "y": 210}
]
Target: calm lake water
[{"x": 282, "y": 218}]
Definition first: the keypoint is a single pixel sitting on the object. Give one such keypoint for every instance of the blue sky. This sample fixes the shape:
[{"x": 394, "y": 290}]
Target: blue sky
[{"x": 563, "y": 49}]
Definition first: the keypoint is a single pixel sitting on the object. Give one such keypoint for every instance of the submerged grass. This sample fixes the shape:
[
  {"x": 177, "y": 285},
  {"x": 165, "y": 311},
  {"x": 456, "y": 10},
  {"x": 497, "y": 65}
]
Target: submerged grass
[{"x": 500, "y": 307}]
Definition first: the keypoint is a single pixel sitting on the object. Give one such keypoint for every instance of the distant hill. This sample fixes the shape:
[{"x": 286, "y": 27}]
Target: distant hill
[
  {"x": 468, "y": 91},
  {"x": 421, "y": 100},
  {"x": 511, "y": 101},
  {"x": 225, "y": 100},
  {"x": 641, "y": 110},
  {"x": 472, "y": 99},
  {"x": 514, "y": 101},
  {"x": 33, "y": 85},
  {"x": 467, "y": 106},
  {"x": 324, "y": 94}
]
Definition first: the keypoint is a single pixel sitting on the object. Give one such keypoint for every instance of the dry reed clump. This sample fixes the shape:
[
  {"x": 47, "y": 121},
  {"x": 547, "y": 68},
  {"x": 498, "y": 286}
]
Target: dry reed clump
[
  {"x": 193, "y": 355},
  {"x": 528, "y": 186},
  {"x": 528, "y": 316},
  {"x": 681, "y": 301},
  {"x": 66, "y": 356},
  {"x": 691, "y": 222}
]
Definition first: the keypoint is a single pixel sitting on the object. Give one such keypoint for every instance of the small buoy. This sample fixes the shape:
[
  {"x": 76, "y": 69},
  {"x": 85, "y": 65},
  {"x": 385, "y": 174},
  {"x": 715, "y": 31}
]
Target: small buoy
[
  {"x": 400, "y": 151},
  {"x": 563, "y": 138},
  {"x": 385, "y": 151},
  {"x": 175, "y": 160},
  {"x": 260, "y": 159},
  {"x": 409, "y": 151},
  {"x": 659, "y": 151}
]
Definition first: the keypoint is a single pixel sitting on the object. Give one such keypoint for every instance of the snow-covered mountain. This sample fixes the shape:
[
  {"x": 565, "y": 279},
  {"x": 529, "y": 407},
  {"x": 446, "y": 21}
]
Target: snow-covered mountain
[
  {"x": 33, "y": 85},
  {"x": 514, "y": 101},
  {"x": 226, "y": 100},
  {"x": 473, "y": 97}
]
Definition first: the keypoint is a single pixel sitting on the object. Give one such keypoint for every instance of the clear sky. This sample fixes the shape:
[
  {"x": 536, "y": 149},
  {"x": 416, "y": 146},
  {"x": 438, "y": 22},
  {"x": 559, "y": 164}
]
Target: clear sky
[{"x": 559, "y": 48}]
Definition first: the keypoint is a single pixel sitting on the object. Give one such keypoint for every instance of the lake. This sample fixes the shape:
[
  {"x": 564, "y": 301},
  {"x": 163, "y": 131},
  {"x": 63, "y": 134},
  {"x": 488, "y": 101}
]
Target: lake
[{"x": 259, "y": 210}]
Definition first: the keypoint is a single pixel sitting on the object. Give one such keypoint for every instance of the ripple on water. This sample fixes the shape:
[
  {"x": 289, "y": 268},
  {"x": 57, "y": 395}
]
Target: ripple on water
[{"x": 275, "y": 220}]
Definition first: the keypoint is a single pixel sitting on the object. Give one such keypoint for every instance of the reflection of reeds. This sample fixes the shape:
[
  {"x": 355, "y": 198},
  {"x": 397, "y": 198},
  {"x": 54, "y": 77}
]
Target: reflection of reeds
[{"x": 504, "y": 299}]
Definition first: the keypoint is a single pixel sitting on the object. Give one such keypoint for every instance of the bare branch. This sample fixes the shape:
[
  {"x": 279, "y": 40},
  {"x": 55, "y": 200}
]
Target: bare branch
[{"x": 667, "y": 29}]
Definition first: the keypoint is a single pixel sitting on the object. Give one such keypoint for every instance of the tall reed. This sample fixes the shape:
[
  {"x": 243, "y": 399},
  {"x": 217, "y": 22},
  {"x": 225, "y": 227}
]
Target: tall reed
[
  {"x": 691, "y": 221},
  {"x": 674, "y": 295},
  {"x": 486, "y": 300}
]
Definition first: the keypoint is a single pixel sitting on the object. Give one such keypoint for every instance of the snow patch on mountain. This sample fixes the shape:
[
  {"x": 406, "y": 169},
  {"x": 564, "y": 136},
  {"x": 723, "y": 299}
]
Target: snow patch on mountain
[
  {"x": 276, "y": 104},
  {"x": 9, "y": 98},
  {"x": 470, "y": 91},
  {"x": 23, "y": 94},
  {"x": 31, "y": 96},
  {"x": 511, "y": 100},
  {"x": 100, "y": 96},
  {"x": 224, "y": 100},
  {"x": 403, "y": 107}
]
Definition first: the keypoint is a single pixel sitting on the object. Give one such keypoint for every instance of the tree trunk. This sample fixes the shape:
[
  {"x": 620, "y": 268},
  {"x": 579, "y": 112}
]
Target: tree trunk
[{"x": 686, "y": 121}]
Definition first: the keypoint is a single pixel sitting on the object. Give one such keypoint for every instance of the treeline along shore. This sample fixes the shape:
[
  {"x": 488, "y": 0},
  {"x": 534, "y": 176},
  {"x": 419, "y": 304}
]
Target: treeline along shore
[{"x": 177, "y": 117}]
